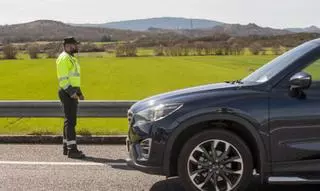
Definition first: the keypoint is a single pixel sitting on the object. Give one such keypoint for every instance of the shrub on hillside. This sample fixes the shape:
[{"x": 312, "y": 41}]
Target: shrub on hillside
[{"x": 9, "y": 52}]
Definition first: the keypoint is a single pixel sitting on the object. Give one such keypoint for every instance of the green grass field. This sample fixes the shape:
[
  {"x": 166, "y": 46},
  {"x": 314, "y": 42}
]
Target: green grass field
[{"x": 109, "y": 78}]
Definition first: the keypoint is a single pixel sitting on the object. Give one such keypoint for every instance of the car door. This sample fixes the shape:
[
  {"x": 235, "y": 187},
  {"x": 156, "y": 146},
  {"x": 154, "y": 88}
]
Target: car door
[{"x": 294, "y": 122}]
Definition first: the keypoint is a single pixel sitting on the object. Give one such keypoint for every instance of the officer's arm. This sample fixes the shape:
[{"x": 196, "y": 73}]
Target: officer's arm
[
  {"x": 79, "y": 92},
  {"x": 63, "y": 73}
]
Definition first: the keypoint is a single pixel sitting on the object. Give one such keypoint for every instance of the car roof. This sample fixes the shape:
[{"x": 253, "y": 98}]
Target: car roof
[{"x": 315, "y": 41}]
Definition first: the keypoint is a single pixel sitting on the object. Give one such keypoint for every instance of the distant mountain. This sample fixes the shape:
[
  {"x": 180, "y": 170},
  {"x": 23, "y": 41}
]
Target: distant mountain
[
  {"x": 193, "y": 27},
  {"x": 174, "y": 23},
  {"x": 248, "y": 30},
  {"x": 229, "y": 29},
  {"x": 311, "y": 29},
  {"x": 53, "y": 30},
  {"x": 174, "y": 28}
]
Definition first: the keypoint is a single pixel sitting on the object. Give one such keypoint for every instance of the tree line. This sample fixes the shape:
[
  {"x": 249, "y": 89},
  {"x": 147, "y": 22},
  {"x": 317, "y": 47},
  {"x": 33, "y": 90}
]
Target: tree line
[
  {"x": 51, "y": 50},
  {"x": 217, "y": 44},
  {"x": 131, "y": 49}
]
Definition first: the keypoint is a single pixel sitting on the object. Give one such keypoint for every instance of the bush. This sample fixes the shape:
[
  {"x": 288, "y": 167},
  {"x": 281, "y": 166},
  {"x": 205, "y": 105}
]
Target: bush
[
  {"x": 276, "y": 50},
  {"x": 91, "y": 47},
  {"x": 52, "y": 49},
  {"x": 236, "y": 49},
  {"x": 208, "y": 49},
  {"x": 199, "y": 47},
  {"x": 33, "y": 51},
  {"x": 131, "y": 50},
  {"x": 53, "y": 53},
  {"x": 120, "y": 51},
  {"x": 52, "y": 46},
  {"x": 227, "y": 48},
  {"x": 218, "y": 52},
  {"x": 176, "y": 50},
  {"x": 106, "y": 38},
  {"x": 159, "y": 51},
  {"x": 218, "y": 49},
  {"x": 10, "y": 52},
  {"x": 126, "y": 50},
  {"x": 255, "y": 48}
]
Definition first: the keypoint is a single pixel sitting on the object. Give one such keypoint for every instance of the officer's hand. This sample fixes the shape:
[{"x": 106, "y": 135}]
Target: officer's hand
[
  {"x": 81, "y": 97},
  {"x": 75, "y": 96}
]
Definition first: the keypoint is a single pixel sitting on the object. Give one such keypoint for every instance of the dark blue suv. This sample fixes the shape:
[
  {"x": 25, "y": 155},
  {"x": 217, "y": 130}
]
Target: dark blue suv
[{"x": 215, "y": 137}]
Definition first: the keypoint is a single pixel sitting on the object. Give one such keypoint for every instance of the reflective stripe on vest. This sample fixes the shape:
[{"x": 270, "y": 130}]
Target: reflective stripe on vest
[
  {"x": 74, "y": 74},
  {"x": 63, "y": 78}
]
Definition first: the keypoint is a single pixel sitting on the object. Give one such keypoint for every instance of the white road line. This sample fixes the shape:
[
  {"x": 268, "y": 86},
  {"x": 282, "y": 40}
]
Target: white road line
[{"x": 59, "y": 163}]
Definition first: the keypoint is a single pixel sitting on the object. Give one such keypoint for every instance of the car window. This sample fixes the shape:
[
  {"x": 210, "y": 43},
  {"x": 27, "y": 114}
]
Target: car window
[
  {"x": 279, "y": 64},
  {"x": 314, "y": 70}
]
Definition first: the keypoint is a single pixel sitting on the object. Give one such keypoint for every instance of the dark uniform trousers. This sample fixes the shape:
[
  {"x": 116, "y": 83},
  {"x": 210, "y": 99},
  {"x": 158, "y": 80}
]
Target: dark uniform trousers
[{"x": 70, "y": 107}]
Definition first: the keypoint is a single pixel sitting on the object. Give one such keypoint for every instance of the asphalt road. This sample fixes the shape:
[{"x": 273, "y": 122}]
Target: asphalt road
[{"x": 43, "y": 167}]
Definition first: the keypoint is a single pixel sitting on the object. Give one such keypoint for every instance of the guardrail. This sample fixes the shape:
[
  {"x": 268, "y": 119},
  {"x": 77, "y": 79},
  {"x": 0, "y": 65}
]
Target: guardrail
[{"x": 52, "y": 109}]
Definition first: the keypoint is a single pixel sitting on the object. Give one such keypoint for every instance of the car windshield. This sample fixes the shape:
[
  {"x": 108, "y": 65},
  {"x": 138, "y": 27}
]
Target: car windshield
[{"x": 275, "y": 66}]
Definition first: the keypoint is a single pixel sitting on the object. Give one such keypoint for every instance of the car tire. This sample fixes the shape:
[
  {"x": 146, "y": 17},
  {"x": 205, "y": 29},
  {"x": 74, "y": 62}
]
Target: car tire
[{"x": 229, "y": 167}]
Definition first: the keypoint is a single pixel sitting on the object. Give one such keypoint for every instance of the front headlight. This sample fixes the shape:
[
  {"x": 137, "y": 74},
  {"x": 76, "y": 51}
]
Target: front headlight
[{"x": 157, "y": 112}]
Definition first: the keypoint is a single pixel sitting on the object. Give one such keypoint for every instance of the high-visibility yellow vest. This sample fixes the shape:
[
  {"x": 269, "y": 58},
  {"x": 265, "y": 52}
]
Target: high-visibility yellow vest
[{"x": 68, "y": 71}]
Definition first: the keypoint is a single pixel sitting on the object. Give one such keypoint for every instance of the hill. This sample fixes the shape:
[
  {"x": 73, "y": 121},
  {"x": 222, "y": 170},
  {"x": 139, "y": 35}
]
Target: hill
[
  {"x": 162, "y": 23},
  {"x": 47, "y": 30},
  {"x": 191, "y": 27},
  {"x": 247, "y": 30},
  {"x": 311, "y": 29},
  {"x": 228, "y": 29}
]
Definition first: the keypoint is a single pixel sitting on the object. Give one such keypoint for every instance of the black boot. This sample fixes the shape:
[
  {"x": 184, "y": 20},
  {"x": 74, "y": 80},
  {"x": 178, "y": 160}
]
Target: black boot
[
  {"x": 75, "y": 153},
  {"x": 65, "y": 150}
]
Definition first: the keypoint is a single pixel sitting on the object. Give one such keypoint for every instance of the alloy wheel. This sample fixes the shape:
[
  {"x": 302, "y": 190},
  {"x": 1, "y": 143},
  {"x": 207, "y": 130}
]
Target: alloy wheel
[{"x": 215, "y": 165}]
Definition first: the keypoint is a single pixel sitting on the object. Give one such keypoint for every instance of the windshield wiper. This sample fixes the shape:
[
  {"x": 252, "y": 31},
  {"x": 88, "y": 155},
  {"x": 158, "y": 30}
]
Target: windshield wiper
[{"x": 234, "y": 82}]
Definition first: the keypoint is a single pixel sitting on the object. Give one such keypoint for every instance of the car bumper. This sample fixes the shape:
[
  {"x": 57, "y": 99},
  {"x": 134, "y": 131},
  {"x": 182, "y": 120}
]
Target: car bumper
[
  {"x": 132, "y": 162},
  {"x": 145, "y": 169}
]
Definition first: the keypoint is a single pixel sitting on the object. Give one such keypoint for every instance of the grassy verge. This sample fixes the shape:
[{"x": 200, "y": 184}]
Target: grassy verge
[
  {"x": 109, "y": 78},
  {"x": 49, "y": 126}
]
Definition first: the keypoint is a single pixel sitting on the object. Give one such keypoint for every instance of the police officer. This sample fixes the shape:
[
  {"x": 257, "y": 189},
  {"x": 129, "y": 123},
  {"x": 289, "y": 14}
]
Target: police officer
[{"x": 68, "y": 72}]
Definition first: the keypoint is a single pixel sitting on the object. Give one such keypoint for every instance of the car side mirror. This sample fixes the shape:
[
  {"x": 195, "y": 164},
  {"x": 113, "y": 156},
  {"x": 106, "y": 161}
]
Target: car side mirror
[{"x": 301, "y": 80}]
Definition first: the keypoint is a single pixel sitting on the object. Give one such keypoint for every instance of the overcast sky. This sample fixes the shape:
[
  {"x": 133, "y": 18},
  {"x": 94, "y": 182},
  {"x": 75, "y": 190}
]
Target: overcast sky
[{"x": 273, "y": 13}]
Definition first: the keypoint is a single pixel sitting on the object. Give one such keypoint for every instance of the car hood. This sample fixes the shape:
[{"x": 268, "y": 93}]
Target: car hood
[{"x": 183, "y": 95}]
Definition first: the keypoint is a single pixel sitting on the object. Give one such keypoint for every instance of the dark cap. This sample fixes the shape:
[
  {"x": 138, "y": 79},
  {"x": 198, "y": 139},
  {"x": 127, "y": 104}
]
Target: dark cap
[{"x": 70, "y": 40}]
